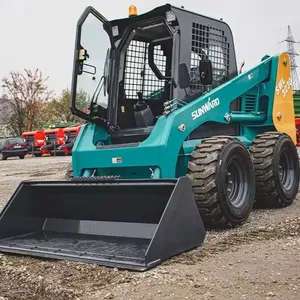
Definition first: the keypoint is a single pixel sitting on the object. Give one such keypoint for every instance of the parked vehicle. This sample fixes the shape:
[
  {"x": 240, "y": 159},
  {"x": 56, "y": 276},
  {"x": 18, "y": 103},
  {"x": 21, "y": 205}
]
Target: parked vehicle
[
  {"x": 34, "y": 140},
  {"x": 54, "y": 138},
  {"x": 28, "y": 139},
  {"x": 60, "y": 140},
  {"x": 70, "y": 137},
  {"x": 39, "y": 142},
  {"x": 12, "y": 147}
]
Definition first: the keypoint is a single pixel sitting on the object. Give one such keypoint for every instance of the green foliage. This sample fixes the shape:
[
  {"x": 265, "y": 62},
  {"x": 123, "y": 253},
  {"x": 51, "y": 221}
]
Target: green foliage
[
  {"x": 27, "y": 103},
  {"x": 58, "y": 110}
]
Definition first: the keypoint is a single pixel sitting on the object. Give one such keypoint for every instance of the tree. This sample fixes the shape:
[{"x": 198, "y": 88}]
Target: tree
[
  {"x": 28, "y": 93},
  {"x": 58, "y": 110}
]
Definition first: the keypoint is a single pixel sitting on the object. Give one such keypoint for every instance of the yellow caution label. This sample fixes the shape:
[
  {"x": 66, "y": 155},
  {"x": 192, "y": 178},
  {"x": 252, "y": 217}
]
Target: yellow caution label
[{"x": 283, "y": 106}]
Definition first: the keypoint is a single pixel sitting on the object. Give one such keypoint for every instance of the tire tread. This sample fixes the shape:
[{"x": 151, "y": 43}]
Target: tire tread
[
  {"x": 202, "y": 171},
  {"x": 262, "y": 153}
]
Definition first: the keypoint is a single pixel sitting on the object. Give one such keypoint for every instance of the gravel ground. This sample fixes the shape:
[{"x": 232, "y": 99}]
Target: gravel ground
[{"x": 259, "y": 260}]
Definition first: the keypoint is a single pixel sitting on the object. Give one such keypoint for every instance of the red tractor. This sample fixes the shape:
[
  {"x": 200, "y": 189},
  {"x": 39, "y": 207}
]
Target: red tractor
[
  {"x": 70, "y": 137},
  {"x": 297, "y": 122},
  {"x": 34, "y": 140},
  {"x": 296, "y": 97},
  {"x": 28, "y": 138},
  {"x": 39, "y": 142},
  {"x": 54, "y": 139}
]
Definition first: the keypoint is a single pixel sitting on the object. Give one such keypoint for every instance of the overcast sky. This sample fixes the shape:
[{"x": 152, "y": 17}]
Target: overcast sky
[{"x": 40, "y": 34}]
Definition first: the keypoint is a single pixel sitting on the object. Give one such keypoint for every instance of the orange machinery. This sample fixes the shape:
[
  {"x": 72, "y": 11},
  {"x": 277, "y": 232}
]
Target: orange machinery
[
  {"x": 54, "y": 138},
  {"x": 70, "y": 137},
  {"x": 28, "y": 138},
  {"x": 297, "y": 123},
  {"x": 34, "y": 140}
]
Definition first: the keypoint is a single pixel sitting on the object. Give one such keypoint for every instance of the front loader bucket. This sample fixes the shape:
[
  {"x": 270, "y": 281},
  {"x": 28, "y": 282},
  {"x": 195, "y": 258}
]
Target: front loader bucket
[{"x": 126, "y": 224}]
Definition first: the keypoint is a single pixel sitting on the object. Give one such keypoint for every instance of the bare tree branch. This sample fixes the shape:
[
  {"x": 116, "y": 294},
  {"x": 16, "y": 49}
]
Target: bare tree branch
[{"x": 28, "y": 93}]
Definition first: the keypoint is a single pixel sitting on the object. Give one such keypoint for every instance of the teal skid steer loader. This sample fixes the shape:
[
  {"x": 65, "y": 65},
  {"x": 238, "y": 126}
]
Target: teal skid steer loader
[{"x": 176, "y": 142}]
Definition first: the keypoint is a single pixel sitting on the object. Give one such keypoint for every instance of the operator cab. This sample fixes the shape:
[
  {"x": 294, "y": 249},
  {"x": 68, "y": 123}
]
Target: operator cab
[
  {"x": 122, "y": 78},
  {"x": 145, "y": 73}
]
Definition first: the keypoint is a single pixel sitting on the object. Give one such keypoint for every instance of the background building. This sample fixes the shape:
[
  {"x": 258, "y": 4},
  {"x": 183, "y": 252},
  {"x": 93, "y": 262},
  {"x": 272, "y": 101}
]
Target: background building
[{"x": 5, "y": 111}]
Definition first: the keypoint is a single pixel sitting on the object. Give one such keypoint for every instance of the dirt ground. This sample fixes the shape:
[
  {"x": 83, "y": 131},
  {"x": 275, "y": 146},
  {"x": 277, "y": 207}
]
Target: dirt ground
[{"x": 259, "y": 260}]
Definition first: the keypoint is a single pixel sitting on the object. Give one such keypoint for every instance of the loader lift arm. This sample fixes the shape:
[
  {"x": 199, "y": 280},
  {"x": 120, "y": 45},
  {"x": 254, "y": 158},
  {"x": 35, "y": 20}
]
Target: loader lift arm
[
  {"x": 216, "y": 103},
  {"x": 167, "y": 137}
]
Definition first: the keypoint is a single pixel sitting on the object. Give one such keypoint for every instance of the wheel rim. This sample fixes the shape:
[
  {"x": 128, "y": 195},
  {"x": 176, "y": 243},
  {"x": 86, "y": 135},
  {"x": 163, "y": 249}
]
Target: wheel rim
[
  {"x": 236, "y": 182},
  {"x": 285, "y": 170}
]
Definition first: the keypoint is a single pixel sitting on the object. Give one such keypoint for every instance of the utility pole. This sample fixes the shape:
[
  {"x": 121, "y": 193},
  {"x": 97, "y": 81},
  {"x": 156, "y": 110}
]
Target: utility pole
[{"x": 292, "y": 54}]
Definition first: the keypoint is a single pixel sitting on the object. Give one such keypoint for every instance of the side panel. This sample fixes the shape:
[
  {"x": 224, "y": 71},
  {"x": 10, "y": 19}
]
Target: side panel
[{"x": 283, "y": 108}]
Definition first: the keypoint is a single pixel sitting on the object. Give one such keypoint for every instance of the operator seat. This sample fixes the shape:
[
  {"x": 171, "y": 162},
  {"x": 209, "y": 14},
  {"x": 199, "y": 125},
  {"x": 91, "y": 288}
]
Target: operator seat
[{"x": 142, "y": 113}]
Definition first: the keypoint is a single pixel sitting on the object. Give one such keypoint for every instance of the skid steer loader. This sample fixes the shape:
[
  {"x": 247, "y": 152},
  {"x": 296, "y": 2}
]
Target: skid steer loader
[{"x": 175, "y": 142}]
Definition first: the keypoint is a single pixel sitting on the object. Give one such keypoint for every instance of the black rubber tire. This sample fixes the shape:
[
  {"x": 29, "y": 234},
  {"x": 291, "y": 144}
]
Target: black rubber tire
[
  {"x": 22, "y": 157},
  {"x": 2, "y": 157},
  {"x": 69, "y": 172},
  {"x": 267, "y": 150},
  {"x": 207, "y": 171},
  {"x": 38, "y": 155}
]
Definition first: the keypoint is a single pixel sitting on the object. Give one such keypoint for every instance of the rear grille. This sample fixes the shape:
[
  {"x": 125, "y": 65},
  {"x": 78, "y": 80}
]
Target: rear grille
[
  {"x": 209, "y": 43},
  {"x": 250, "y": 103}
]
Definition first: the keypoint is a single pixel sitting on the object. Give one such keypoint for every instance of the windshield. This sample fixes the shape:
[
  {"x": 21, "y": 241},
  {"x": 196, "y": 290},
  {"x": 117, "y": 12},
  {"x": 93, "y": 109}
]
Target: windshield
[
  {"x": 15, "y": 141},
  {"x": 92, "y": 80}
]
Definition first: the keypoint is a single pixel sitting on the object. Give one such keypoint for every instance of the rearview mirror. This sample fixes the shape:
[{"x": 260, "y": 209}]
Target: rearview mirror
[
  {"x": 184, "y": 76},
  {"x": 205, "y": 70}
]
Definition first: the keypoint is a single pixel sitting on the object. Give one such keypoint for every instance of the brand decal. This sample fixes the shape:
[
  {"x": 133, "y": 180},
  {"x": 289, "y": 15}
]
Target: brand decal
[
  {"x": 210, "y": 104},
  {"x": 283, "y": 86},
  {"x": 117, "y": 160}
]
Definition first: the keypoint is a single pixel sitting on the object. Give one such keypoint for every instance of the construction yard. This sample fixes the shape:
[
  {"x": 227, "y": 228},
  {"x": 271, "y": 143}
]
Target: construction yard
[{"x": 259, "y": 260}]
